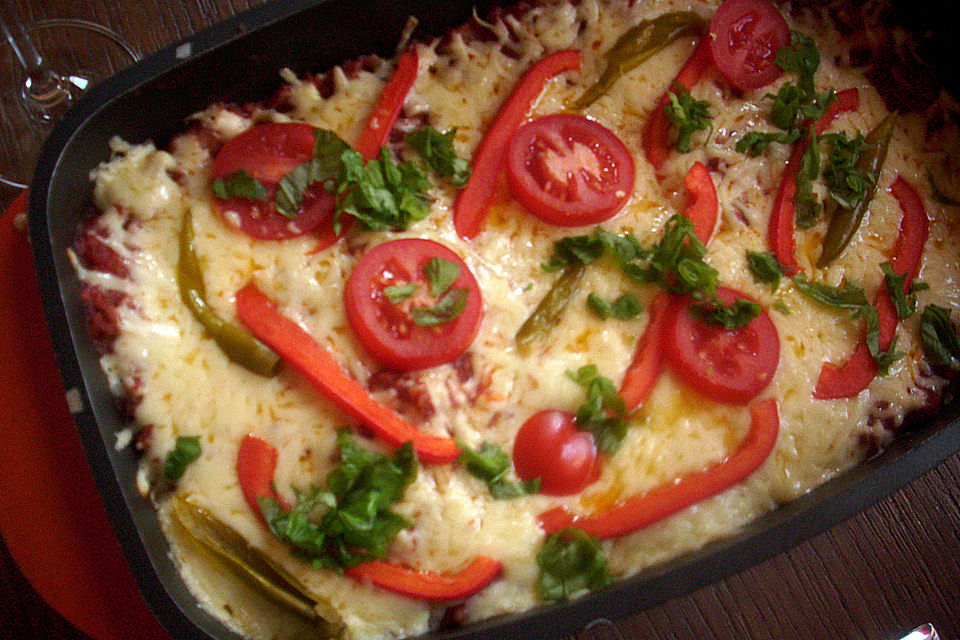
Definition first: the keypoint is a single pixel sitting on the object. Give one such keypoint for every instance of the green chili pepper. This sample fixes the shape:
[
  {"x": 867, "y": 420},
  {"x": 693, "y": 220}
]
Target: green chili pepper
[
  {"x": 227, "y": 545},
  {"x": 844, "y": 221},
  {"x": 240, "y": 346},
  {"x": 637, "y": 45},
  {"x": 548, "y": 312}
]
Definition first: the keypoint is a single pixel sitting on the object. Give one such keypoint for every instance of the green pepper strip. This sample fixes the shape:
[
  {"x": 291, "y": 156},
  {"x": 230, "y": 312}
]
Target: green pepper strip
[
  {"x": 845, "y": 221},
  {"x": 639, "y": 44},
  {"x": 221, "y": 540},
  {"x": 237, "y": 344},
  {"x": 548, "y": 312}
]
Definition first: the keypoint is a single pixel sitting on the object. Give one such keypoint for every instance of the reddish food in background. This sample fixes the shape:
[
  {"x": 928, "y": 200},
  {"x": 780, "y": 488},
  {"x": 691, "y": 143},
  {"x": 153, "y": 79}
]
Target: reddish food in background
[
  {"x": 643, "y": 510},
  {"x": 268, "y": 152},
  {"x": 850, "y": 378},
  {"x": 781, "y": 226},
  {"x": 427, "y": 585},
  {"x": 549, "y": 446},
  {"x": 569, "y": 170},
  {"x": 474, "y": 199},
  {"x": 745, "y": 36},
  {"x": 726, "y": 365},
  {"x": 298, "y": 349},
  {"x": 385, "y": 330},
  {"x": 656, "y": 132}
]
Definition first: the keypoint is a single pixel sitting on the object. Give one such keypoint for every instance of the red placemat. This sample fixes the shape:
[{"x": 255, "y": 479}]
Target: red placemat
[{"x": 51, "y": 518}]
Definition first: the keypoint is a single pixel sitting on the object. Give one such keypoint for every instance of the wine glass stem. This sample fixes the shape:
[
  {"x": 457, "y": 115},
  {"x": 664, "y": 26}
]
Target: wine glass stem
[{"x": 45, "y": 93}]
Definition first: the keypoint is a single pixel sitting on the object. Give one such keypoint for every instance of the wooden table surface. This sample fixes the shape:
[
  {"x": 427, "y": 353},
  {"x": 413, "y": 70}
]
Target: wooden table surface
[{"x": 875, "y": 577}]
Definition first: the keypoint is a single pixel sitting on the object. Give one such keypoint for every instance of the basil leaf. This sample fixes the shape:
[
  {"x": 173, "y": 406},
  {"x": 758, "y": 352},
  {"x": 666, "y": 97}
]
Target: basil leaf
[
  {"x": 382, "y": 195},
  {"x": 603, "y": 412},
  {"x": 441, "y": 274},
  {"x": 398, "y": 293},
  {"x": 687, "y": 116},
  {"x": 185, "y": 451},
  {"x": 938, "y": 336},
  {"x": 754, "y": 143},
  {"x": 492, "y": 465},
  {"x": 437, "y": 151},
  {"x": 571, "y": 560},
  {"x": 351, "y": 520},
  {"x": 733, "y": 316},
  {"x": 905, "y": 304},
  {"x": 808, "y": 208},
  {"x": 847, "y": 184},
  {"x": 449, "y": 307},
  {"x": 847, "y": 296},
  {"x": 802, "y": 57},
  {"x": 239, "y": 184},
  {"x": 764, "y": 267}
]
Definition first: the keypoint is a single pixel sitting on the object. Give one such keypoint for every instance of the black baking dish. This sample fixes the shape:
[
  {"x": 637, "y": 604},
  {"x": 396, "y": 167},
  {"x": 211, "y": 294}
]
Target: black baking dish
[{"x": 238, "y": 61}]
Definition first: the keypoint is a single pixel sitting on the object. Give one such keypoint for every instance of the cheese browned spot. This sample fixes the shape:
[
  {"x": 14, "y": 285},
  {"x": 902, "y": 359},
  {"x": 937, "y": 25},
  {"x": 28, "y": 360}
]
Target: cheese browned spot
[{"x": 186, "y": 386}]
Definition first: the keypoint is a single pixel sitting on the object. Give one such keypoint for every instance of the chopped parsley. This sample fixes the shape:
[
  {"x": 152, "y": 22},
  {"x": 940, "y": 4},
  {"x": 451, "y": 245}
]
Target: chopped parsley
[
  {"x": 437, "y": 151},
  {"x": 492, "y": 465},
  {"x": 350, "y": 520},
  {"x": 571, "y": 560},
  {"x": 687, "y": 116},
  {"x": 625, "y": 307},
  {"x": 604, "y": 411},
  {"x": 239, "y": 184},
  {"x": 185, "y": 452}
]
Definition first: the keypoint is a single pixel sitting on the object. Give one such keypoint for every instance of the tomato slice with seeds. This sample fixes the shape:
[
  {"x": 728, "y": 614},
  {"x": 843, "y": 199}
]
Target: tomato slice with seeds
[
  {"x": 569, "y": 170},
  {"x": 388, "y": 330},
  {"x": 745, "y": 36},
  {"x": 268, "y": 152},
  {"x": 549, "y": 446},
  {"x": 726, "y": 365}
]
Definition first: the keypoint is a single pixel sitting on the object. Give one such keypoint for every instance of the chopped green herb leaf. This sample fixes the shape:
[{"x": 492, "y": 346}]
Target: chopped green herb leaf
[
  {"x": 383, "y": 195},
  {"x": 398, "y": 293},
  {"x": 734, "y": 316},
  {"x": 238, "y": 184},
  {"x": 781, "y": 306},
  {"x": 847, "y": 296},
  {"x": 847, "y": 184},
  {"x": 437, "y": 150},
  {"x": 441, "y": 274},
  {"x": 687, "y": 116},
  {"x": 808, "y": 208},
  {"x": 571, "y": 560},
  {"x": 625, "y": 307},
  {"x": 905, "y": 304},
  {"x": 185, "y": 451},
  {"x": 603, "y": 412},
  {"x": 801, "y": 57},
  {"x": 764, "y": 267},
  {"x": 754, "y": 143},
  {"x": 938, "y": 336},
  {"x": 447, "y": 308},
  {"x": 492, "y": 465},
  {"x": 350, "y": 522}
]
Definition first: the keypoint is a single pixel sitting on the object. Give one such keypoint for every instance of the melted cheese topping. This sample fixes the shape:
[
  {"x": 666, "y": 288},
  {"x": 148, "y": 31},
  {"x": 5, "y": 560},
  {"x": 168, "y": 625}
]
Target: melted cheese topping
[{"x": 189, "y": 387}]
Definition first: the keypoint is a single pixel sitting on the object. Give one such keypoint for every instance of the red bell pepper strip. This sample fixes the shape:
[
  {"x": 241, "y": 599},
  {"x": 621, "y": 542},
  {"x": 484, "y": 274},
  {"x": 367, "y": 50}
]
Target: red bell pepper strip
[
  {"x": 647, "y": 361},
  {"x": 656, "y": 133},
  {"x": 781, "y": 225},
  {"x": 643, "y": 510},
  {"x": 703, "y": 207},
  {"x": 853, "y": 376},
  {"x": 377, "y": 131},
  {"x": 474, "y": 199},
  {"x": 256, "y": 464},
  {"x": 425, "y": 584},
  {"x": 259, "y": 314}
]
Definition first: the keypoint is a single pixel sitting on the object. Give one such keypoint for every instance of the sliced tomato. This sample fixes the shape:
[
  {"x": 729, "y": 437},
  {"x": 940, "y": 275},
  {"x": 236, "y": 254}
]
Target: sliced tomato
[
  {"x": 726, "y": 365},
  {"x": 427, "y": 585},
  {"x": 387, "y": 330},
  {"x": 569, "y": 170},
  {"x": 268, "y": 152},
  {"x": 745, "y": 36},
  {"x": 549, "y": 446},
  {"x": 472, "y": 201}
]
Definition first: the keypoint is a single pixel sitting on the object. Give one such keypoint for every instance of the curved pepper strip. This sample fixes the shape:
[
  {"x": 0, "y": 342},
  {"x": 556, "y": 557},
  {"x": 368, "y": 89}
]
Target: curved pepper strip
[
  {"x": 703, "y": 207},
  {"x": 781, "y": 225},
  {"x": 643, "y": 510},
  {"x": 377, "y": 131},
  {"x": 298, "y": 349},
  {"x": 256, "y": 464},
  {"x": 474, "y": 199},
  {"x": 647, "y": 361},
  {"x": 427, "y": 585},
  {"x": 656, "y": 133},
  {"x": 850, "y": 378}
]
